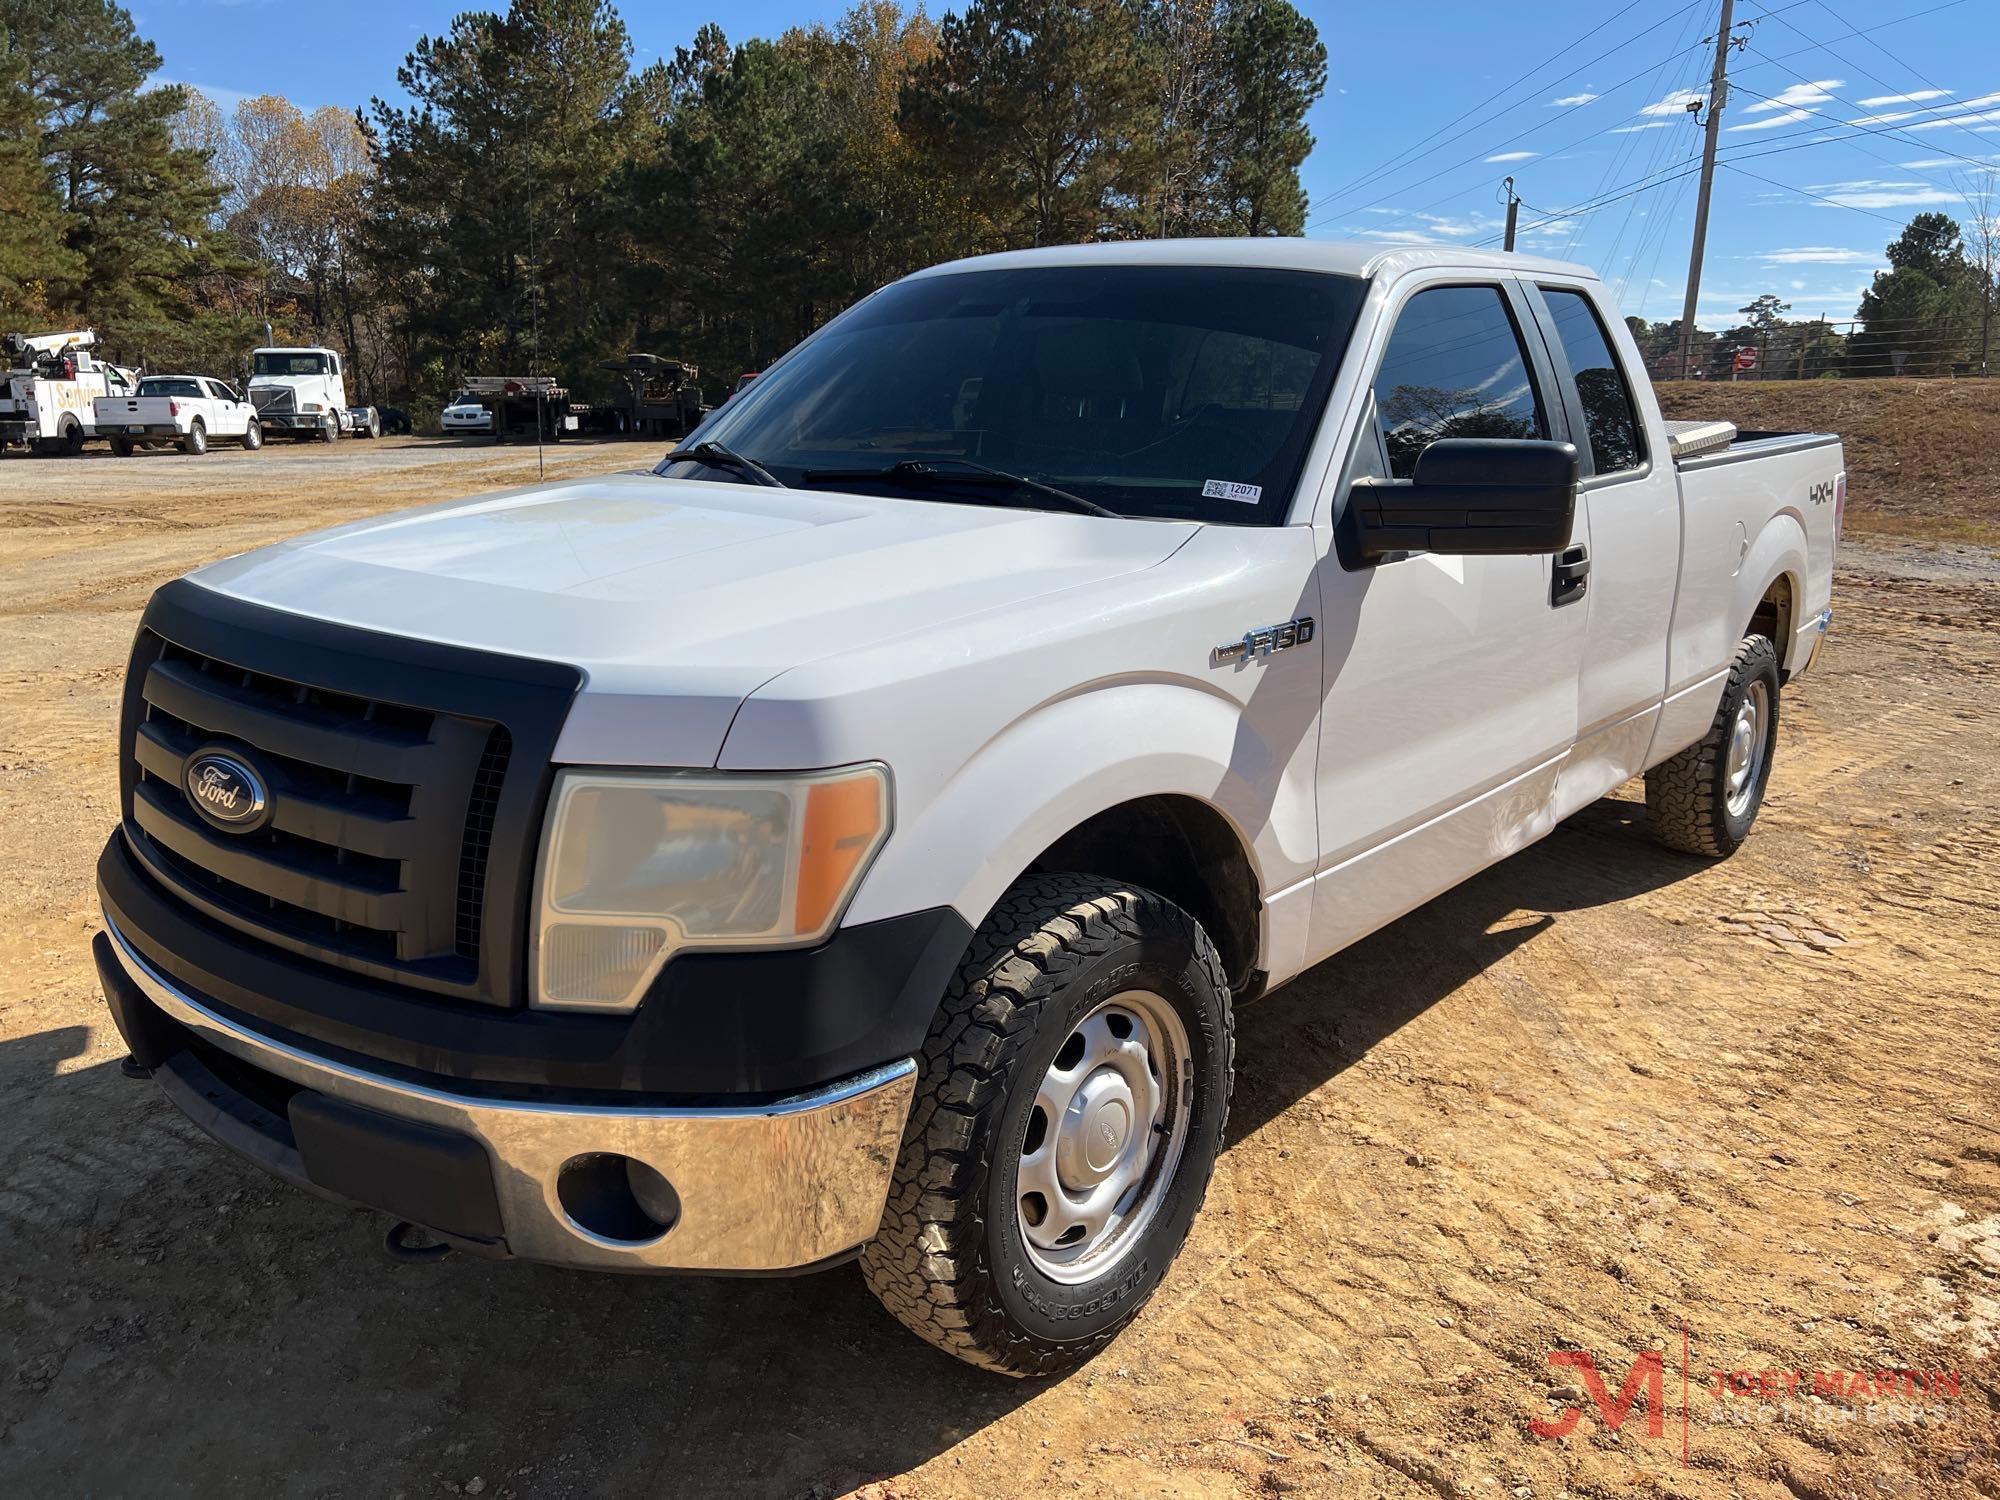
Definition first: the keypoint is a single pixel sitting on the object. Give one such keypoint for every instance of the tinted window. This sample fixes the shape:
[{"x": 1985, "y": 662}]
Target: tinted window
[
  {"x": 1158, "y": 391},
  {"x": 168, "y": 385},
  {"x": 1455, "y": 368},
  {"x": 1600, "y": 384}
]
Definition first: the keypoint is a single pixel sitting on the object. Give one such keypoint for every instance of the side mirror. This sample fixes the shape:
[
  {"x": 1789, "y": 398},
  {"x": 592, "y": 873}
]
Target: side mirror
[{"x": 1472, "y": 497}]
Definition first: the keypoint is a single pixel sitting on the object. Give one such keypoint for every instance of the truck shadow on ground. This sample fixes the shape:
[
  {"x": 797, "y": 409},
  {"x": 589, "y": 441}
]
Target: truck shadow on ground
[
  {"x": 1332, "y": 1015},
  {"x": 208, "y": 1320}
]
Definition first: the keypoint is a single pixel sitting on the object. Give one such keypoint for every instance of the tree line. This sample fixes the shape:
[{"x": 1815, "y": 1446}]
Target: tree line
[
  {"x": 534, "y": 199},
  {"x": 1930, "y": 313}
]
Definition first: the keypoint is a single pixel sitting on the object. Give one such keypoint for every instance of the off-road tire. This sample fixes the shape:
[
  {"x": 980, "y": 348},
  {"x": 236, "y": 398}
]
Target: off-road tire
[
  {"x": 948, "y": 1261},
  {"x": 196, "y": 440},
  {"x": 1687, "y": 803}
]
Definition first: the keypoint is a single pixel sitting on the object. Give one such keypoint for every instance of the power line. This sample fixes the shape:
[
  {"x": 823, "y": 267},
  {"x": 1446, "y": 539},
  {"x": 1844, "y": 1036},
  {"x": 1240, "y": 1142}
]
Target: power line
[
  {"x": 1846, "y": 62},
  {"x": 1519, "y": 136},
  {"x": 1817, "y": 197},
  {"x": 1401, "y": 158}
]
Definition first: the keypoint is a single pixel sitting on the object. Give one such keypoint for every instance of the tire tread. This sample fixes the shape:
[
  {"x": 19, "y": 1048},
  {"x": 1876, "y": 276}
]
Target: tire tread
[{"x": 925, "y": 1264}]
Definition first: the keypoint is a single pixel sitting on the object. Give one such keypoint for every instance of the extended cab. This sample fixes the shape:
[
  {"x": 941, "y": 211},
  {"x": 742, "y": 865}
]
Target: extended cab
[
  {"x": 855, "y": 835},
  {"x": 188, "y": 411}
]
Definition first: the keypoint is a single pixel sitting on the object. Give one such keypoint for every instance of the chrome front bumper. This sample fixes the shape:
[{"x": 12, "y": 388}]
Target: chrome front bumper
[{"x": 770, "y": 1187}]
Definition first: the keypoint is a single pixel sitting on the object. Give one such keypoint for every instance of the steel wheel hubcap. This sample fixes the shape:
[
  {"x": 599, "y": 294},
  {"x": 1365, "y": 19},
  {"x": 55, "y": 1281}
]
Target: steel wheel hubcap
[
  {"x": 1746, "y": 747},
  {"x": 1106, "y": 1132}
]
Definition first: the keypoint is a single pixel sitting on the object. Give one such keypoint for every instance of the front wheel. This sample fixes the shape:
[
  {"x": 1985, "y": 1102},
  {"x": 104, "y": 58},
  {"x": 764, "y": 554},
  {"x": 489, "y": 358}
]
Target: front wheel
[
  {"x": 1704, "y": 800},
  {"x": 1070, "y": 1105},
  {"x": 329, "y": 431},
  {"x": 196, "y": 439},
  {"x": 253, "y": 435}
]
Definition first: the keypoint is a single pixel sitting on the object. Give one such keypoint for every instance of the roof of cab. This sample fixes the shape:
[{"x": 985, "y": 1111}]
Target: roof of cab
[{"x": 1336, "y": 257}]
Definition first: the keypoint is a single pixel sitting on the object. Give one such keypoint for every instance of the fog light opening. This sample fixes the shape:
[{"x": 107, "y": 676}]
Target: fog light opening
[{"x": 617, "y": 1198}]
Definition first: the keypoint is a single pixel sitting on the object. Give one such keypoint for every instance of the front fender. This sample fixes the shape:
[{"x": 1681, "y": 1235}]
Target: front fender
[{"x": 1079, "y": 756}]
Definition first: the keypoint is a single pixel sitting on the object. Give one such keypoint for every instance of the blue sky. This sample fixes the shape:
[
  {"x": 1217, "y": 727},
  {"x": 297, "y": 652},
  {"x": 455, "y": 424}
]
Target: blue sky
[{"x": 1849, "y": 116}]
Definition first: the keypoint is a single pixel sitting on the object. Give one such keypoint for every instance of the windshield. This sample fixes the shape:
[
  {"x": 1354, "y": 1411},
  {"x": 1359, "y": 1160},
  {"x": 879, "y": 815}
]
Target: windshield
[
  {"x": 1184, "y": 392},
  {"x": 291, "y": 364}
]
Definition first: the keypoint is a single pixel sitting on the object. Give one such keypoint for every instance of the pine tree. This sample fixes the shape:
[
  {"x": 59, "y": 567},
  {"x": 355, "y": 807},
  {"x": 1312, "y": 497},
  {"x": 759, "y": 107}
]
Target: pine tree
[
  {"x": 37, "y": 268},
  {"x": 136, "y": 208}
]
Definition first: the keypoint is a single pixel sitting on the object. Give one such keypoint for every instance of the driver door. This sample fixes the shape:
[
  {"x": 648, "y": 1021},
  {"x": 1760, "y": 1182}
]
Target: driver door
[{"x": 1449, "y": 683}]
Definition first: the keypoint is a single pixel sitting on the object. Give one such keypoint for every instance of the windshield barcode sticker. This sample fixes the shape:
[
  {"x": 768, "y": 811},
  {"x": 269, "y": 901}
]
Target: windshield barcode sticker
[{"x": 1224, "y": 489}]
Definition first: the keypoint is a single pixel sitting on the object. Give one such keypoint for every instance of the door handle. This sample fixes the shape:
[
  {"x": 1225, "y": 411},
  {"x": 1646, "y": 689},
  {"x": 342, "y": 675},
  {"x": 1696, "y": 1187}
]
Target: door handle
[{"x": 1570, "y": 579}]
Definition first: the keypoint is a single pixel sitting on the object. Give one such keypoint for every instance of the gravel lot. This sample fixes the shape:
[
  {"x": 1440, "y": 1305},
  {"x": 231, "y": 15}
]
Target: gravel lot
[{"x": 1597, "y": 1098}]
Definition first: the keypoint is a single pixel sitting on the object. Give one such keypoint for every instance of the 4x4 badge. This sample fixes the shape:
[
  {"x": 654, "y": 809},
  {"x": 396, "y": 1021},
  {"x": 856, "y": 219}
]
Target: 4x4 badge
[{"x": 1264, "y": 641}]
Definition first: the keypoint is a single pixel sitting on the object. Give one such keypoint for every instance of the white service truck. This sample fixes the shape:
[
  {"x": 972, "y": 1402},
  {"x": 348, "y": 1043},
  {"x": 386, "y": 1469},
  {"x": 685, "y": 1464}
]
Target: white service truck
[
  {"x": 187, "y": 411},
  {"x": 48, "y": 391},
  {"x": 300, "y": 393},
  {"x": 854, "y": 837}
]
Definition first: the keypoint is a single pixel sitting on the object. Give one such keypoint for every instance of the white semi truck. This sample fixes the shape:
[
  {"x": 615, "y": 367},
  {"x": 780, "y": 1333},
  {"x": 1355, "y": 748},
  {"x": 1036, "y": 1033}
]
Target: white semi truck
[
  {"x": 48, "y": 391},
  {"x": 300, "y": 392},
  {"x": 855, "y": 836}
]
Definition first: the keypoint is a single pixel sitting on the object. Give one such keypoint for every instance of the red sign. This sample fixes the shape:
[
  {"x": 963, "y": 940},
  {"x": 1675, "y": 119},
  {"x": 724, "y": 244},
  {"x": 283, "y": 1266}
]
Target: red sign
[{"x": 1746, "y": 359}]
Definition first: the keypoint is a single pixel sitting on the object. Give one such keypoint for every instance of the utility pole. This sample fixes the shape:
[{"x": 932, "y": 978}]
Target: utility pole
[
  {"x": 1513, "y": 213},
  {"x": 1718, "y": 95}
]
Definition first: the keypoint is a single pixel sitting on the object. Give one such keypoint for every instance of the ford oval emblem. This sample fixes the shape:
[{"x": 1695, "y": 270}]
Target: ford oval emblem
[{"x": 226, "y": 790}]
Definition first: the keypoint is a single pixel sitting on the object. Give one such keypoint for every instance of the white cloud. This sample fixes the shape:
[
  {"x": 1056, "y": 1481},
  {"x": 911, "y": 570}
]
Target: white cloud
[
  {"x": 1820, "y": 255},
  {"x": 1931, "y": 114},
  {"x": 1788, "y": 117},
  {"x": 1917, "y": 98},
  {"x": 1649, "y": 125},
  {"x": 225, "y": 99},
  {"x": 1795, "y": 96},
  {"x": 1571, "y": 101},
  {"x": 1515, "y": 156},
  {"x": 1978, "y": 119},
  {"x": 1675, "y": 103},
  {"x": 1878, "y": 194}
]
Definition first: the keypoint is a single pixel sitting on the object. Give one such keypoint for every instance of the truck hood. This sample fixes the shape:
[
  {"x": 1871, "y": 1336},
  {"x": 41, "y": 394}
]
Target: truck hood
[{"x": 678, "y": 599}]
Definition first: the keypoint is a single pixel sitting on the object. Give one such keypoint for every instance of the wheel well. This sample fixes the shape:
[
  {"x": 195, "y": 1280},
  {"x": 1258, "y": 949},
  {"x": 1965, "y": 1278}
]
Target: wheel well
[
  {"x": 1773, "y": 616},
  {"x": 1186, "y": 851}
]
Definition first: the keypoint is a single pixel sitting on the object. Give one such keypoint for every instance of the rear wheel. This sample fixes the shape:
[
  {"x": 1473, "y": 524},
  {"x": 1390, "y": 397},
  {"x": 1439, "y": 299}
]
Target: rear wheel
[
  {"x": 121, "y": 447},
  {"x": 1069, "y": 1108},
  {"x": 196, "y": 439},
  {"x": 1705, "y": 799}
]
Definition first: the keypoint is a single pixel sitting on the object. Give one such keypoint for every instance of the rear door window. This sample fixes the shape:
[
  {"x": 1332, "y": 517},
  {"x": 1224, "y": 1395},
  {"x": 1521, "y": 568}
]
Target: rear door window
[
  {"x": 1455, "y": 368},
  {"x": 1609, "y": 415}
]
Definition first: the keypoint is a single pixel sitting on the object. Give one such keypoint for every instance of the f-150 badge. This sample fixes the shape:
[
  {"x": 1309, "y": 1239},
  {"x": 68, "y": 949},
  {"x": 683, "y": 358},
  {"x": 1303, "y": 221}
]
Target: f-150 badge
[{"x": 1264, "y": 641}]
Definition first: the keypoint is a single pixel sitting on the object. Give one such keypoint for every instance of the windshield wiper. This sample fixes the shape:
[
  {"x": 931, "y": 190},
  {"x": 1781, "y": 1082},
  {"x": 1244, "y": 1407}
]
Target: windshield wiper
[
  {"x": 718, "y": 457},
  {"x": 928, "y": 471}
]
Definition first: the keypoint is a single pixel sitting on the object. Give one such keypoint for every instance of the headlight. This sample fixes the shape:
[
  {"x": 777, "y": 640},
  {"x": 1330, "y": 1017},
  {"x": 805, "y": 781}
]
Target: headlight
[
  {"x": 311, "y": 406},
  {"x": 636, "y": 867}
]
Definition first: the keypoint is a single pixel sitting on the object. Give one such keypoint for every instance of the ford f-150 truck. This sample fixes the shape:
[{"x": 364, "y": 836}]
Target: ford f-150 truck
[
  {"x": 185, "y": 410},
  {"x": 855, "y": 836}
]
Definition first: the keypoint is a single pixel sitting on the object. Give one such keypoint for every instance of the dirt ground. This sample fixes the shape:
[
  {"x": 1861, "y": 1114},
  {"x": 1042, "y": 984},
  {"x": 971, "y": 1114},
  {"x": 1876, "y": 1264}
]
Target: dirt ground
[{"x": 1601, "y": 1098}]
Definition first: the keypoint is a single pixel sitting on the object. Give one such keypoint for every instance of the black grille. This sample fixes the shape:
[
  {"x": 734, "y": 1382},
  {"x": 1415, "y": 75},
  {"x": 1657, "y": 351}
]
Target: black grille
[
  {"x": 394, "y": 828},
  {"x": 478, "y": 842}
]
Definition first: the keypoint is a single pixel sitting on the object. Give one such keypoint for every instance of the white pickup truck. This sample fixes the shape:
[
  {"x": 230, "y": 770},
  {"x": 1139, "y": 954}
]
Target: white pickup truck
[
  {"x": 188, "y": 411},
  {"x": 855, "y": 836}
]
